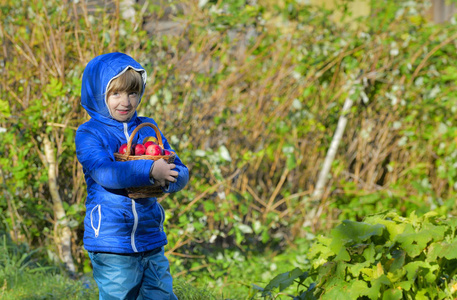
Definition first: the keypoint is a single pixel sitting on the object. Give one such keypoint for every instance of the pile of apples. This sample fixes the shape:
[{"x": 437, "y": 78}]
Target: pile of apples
[{"x": 150, "y": 147}]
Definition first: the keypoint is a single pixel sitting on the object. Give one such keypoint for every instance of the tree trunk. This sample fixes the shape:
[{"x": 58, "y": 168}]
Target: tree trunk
[
  {"x": 316, "y": 197},
  {"x": 62, "y": 232},
  {"x": 324, "y": 173}
]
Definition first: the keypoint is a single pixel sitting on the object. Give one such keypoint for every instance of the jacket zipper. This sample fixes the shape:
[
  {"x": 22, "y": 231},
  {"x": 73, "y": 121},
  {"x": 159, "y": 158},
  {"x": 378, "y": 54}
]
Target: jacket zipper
[
  {"x": 96, "y": 230},
  {"x": 135, "y": 214},
  {"x": 126, "y": 132},
  {"x": 135, "y": 225}
]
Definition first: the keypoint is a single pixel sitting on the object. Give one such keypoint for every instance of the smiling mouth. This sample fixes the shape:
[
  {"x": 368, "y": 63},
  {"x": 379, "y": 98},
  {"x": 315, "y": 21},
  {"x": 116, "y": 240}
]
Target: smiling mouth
[{"x": 123, "y": 112}]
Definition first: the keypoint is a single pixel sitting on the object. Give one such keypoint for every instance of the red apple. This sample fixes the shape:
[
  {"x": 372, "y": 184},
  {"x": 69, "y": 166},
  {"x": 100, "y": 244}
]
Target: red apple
[
  {"x": 148, "y": 143},
  {"x": 153, "y": 150},
  {"x": 123, "y": 149},
  {"x": 140, "y": 149},
  {"x": 166, "y": 152}
]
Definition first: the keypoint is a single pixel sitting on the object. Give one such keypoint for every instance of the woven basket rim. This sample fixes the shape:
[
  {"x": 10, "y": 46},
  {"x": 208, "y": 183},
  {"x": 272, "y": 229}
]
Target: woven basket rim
[
  {"x": 124, "y": 157},
  {"x": 132, "y": 136}
]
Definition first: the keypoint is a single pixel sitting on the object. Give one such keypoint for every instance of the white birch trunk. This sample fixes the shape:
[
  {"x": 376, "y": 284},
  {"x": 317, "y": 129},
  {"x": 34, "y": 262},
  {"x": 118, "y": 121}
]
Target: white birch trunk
[
  {"x": 62, "y": 232},
  {"x": 330, "y": 157},
  {"x": 324, "y": 174}
]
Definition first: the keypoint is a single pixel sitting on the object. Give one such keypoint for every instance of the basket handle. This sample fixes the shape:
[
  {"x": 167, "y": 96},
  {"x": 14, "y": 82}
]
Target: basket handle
[{"x": 132, "y": 136}]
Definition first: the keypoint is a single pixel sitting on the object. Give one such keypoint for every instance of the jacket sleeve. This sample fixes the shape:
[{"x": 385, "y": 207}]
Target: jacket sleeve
[
  {"x": 183, "y": 172},
  {"x": 101, "y": 166}
]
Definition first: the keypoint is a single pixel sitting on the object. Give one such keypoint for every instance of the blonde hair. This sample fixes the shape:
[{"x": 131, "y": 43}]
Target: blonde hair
[{"x": 129, "y": 81}]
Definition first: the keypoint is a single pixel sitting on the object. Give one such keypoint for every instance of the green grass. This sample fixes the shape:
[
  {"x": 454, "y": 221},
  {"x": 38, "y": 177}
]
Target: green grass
[
  {"x": 185, "y": 291},
  {"x": 43, "y": 285},
  {"x": 231, "y": 274},
  {"x": 47, "y": 286},
  {"x": 29, "y": 274}
]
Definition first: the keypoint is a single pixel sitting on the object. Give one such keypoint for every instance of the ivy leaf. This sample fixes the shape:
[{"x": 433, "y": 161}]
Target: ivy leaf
[
  {"x": 357, "y": 231},
  {"x": 337, "y": 289},
  {"x": 452, "y": 222},
  {"x": 392, "y": 294},
  {"x": 413, "y": 243},
  {"x": 440, "y": 250},
  {"x": 350, "y": 232},
  {"x": 320, "y": 251},
  {"x": 397, "y": 276},
  {"x": 327, "y": 270},
  {"x": 422, "y": 295},
  {"x": 286, "y": 279},
  {"x": 369, "y": 255},
  {"x": 343, "y": 255},
  {"x": 398, "y": 260},
  {"x": 393, "y": 228},
  {"x": 413, "y": 268},
  {"x": 374, "y": 291},
  {"x": 406, "y": 285},
  {"x": 306, "y": 295},
  {"x": 256, "y": 287},
  {"x": 359, "y": 288},
  {"x": 356, "y": 268}
]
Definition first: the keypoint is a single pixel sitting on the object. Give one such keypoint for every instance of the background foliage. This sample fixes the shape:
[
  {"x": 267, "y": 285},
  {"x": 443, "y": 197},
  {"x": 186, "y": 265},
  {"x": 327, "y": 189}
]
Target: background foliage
[
  {"x": 249, "y": 94},
  {"x": 385, "y": 257}
]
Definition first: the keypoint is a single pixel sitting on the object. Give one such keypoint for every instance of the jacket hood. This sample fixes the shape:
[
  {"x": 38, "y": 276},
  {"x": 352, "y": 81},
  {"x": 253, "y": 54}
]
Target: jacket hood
[{"x": 97, "y": 75}]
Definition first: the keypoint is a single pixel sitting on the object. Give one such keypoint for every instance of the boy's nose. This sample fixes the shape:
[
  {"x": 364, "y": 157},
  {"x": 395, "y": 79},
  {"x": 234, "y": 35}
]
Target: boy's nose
[{"x": 125, "y": 99}]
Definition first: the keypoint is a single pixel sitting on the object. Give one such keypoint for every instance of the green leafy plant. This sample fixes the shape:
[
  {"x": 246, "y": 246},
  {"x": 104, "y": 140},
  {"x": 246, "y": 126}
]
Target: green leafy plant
[{"x": 384, "y": 257}]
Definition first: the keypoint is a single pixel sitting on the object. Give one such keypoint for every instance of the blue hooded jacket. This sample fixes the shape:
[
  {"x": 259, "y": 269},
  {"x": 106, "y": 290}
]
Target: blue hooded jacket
[{"x": 114, "y": 222}]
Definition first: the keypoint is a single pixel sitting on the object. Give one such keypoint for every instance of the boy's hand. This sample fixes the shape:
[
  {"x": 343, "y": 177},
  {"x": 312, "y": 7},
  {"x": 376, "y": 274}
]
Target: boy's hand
[{"x": 163, "y": 172}]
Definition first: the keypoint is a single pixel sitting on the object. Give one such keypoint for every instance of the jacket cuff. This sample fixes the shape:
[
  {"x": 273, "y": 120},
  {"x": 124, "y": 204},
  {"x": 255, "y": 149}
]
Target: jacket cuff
[
  {"x": 151, "y": 179},
  {"x": 144, "y": 173}
]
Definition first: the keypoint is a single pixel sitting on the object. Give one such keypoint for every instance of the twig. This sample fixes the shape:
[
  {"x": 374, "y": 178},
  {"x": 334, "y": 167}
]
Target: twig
[
  {"x": 276, "y": 191},
  {"x": 256, "y": 197},
  {"x": 192, "y": 269},
  {"x": 61, "y": 125},
  {"x": 438, "y": 47},
  {"x": 185, "y": 255},
  {"x": 214, "y": 187},
  {"x": 179, "y": 244}
]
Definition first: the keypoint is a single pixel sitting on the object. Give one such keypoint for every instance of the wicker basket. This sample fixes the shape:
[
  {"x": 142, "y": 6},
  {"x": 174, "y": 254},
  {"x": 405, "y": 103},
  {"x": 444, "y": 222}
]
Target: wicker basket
[{"x": 144, "y": 191}]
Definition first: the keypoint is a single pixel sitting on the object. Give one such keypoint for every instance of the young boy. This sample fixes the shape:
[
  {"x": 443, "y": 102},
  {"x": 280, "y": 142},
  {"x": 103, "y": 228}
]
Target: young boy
[{"x": 124, "y": 237}]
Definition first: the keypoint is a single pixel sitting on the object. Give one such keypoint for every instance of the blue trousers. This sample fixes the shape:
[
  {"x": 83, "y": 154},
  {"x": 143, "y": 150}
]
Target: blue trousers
[{"x": 136, "y": 276}]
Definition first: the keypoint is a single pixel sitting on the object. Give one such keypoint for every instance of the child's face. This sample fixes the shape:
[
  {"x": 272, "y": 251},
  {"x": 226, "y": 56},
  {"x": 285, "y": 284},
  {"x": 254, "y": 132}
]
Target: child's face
[{"x": 122, "y": 105}]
